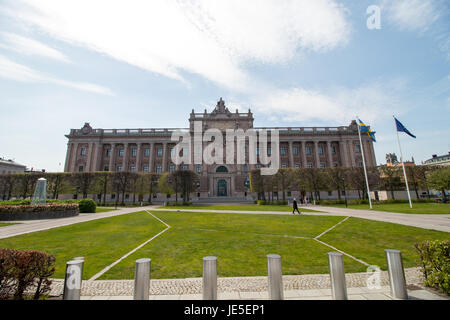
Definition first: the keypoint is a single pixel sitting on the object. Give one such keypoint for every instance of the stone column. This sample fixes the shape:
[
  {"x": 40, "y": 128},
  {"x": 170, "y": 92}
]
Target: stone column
[
  {"x": 112, "y": 155},
  {"x": 88, "y": 157},
  {"x": 125, "y": 155},
  {"x": 152, "y": 157},
  {"x": 351, "y": 149},
  {"x": 305, "y": 164},
  {"x": 164, "y": 164},
  {"x": 67, "y": 164},
  {"x": 97, "y": 156},
  {"x": 74, "y": 156},
  {"x": 291, "y": 155},
  {"x": 138, "y": 157},
  {"x": 330, "y": 156},
  {"x": 316, "y": 153}
]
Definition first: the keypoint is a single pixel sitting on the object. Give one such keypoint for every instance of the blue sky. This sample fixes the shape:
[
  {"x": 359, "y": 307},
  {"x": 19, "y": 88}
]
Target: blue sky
[{"x": 141, "y": 64}]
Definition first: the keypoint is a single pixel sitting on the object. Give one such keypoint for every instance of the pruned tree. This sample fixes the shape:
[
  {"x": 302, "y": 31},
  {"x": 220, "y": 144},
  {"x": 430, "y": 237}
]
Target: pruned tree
[
  {"x": 440, "y": 180},
  {"x": 83, "y": 182}
]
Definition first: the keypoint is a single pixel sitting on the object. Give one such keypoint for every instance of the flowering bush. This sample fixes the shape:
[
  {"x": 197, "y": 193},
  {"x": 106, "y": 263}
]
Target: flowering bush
[
  {"x": 24, "y": 271},
  {"x": 37, "y": 208}
]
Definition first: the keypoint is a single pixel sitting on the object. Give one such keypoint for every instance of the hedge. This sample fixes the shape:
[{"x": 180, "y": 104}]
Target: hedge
[
  {"x": 276, "y": 202},
  {"x": 25, "y": 273},
  {"x": 87, "y": 206},
  {"x": 435, "y": 258}
]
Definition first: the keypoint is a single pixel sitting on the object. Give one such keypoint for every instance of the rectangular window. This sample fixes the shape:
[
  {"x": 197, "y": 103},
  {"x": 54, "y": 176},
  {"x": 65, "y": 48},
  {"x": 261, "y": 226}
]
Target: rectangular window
[
  {"x": 283, "y": 151},
  {"x": 257, "y": 150},
  {"x": 199, "y": 168},
  {"x": 322, "y": 165},
  {"x": 80, "y": 169},
  {"x": 159, "y": 152},
  {"x": 121, "y": 152},
  {"x": 133, "y": 152},
  {"x": 358, "y": 148},
  {"x": 297, "y": 166},
  {"x": 106, "y": 168},
  {"x": 360, "y": 164},
  {"x": 119, "y": 168},
  {"x": 147, "y": 152},
  {"x": 310, "y": 165},
  {"x": 245, "y": 168},
  {"x": 132, "y": 168},
  {"x": 295, "y": 150},
  {"x": 158, "y": 169},
  {"x": 171, "y": 152},
  {"x": 108, "y": 152},
  {"x": 171, "y": 168},
  {"x": 333, "y": 150},
  {"x": 308, "y": 150},
  {"x": 146, "y": 168},
  {"x": 269, "y": 151},
  {"x": 258, "y": 166},
  {"x": 83, "y": 151},
  {"x": 335, "y": 164},
  {"x": 184, "y": 167},
  {"x": 284, "y": 166},
  {"x": 320, "y": 150}
]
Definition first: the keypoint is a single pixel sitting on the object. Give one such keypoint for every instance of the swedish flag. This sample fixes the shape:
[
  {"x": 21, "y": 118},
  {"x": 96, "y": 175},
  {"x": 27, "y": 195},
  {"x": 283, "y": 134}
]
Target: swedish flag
[{"x": 366, "y": 129}]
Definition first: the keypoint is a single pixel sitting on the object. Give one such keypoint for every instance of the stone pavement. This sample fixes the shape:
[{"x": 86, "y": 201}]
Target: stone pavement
[
  {"x": 39, "y": 225},
  {"x": 296, "y": 287}
]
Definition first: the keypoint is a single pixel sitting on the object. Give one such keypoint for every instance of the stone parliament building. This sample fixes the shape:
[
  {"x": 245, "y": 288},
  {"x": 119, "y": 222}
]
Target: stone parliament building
[{"x": 149, "y": 150}]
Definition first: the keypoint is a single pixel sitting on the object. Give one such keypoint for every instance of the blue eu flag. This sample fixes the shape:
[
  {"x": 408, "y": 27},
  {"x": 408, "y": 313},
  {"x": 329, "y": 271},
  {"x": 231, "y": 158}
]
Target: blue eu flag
[{"x": 401, "y": 128}]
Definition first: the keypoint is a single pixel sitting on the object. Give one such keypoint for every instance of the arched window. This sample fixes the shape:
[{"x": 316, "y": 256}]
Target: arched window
[{"x": 222, "y": 169}]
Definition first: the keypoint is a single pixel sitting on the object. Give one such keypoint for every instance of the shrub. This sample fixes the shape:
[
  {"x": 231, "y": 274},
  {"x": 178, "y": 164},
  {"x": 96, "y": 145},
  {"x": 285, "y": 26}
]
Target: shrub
[
  {"x": 22, "y": 271},
  {"x": 435, "y": 258},
  {"x": 87, "y": 206}
]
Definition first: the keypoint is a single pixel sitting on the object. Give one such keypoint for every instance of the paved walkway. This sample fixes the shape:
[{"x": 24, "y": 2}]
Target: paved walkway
[{"x": 299, "y": 287}]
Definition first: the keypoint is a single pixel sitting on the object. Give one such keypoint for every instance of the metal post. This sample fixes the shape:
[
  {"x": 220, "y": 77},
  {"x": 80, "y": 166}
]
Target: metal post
[
  {"x": 72, "y": 280},
  {"x": 209, "y": 278},
  {"x": 397, "y": 278},
  {"x": 142, "y": 279},
  {"x": 275, "y": 277},
  {"x": 337, "y": 273}
]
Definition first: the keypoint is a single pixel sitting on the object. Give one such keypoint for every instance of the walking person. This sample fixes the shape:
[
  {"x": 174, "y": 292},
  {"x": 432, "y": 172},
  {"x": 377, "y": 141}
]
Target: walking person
[{"x": 295, "y": 207}]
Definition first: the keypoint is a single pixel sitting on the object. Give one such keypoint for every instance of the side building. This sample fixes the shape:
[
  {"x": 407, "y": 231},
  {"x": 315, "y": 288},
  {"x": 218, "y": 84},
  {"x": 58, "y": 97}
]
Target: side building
[{"x": 150, "y": 150}]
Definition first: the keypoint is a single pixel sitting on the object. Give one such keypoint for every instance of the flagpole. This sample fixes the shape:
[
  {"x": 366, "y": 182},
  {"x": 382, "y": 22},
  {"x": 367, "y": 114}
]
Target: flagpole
[
  {"x": 364, "y": 164},
  {"x": 403, "y": 165}
]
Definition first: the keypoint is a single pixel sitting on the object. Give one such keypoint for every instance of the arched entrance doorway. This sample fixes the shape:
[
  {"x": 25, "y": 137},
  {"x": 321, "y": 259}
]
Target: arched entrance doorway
[{"x": 221, "y": 188}]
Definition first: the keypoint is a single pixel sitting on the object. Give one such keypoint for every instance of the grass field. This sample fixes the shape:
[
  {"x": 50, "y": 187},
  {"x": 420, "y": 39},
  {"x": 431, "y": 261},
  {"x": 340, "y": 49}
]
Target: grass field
[
  {"x": 250, "y": 207},
  {"x": 5, "y": 224},
  {"x": 418, "y": 208},
  {"x": 100, "y": 209},
  {"x": 241, "y": 243}
]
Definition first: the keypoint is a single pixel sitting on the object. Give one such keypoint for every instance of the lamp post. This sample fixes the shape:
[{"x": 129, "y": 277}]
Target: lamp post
[{"x": 345, "y": 192}]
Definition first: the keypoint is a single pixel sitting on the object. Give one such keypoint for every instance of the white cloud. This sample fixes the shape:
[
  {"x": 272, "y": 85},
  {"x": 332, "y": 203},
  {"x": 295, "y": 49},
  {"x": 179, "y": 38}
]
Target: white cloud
[
  {"x": 29, "y": 46},
  {"x": 19, "y": 72},
  {"x": 209, "y": 38},
  {"x": 412, "y": 15},
  {"x": 371, "y": 102}
]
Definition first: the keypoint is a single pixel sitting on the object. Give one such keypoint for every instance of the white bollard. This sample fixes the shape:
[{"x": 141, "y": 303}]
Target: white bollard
[
  {"x": 275, "y": 277},
  {"x": 209, "y": 278},
  {"x": 72, "y": 280},
  {"x": 396, "y": 273},
  {"x": 142, "y": 279},
  {"x": 337, "y": 273}
]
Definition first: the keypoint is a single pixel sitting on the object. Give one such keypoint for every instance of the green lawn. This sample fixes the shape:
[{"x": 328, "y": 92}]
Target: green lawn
[
  {"x": 418, "y": 208},
  {"x": 101, "y": 241},
  {"x": 5, "y": 224},
  {"x": 100, "y": 209},
  {"x": 240, "y": 241},
  {"x": 250, "y": 207}
]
